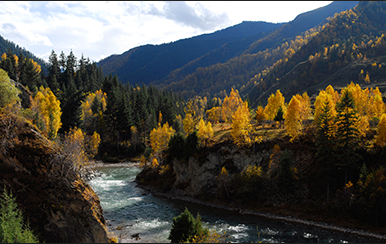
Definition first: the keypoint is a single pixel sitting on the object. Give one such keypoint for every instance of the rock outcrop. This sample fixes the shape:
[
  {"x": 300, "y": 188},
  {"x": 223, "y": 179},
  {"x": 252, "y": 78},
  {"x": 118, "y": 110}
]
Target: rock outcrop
[
  {"x": 59, "y": 205},
  {"x": 197, "y": 176}
]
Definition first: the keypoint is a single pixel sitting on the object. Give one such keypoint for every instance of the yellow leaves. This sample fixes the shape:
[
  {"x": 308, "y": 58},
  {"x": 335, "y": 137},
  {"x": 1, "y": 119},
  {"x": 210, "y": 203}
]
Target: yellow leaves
[
  {"x": 381, "y": 138},
  {"x": 87, "y": 114},
  {"x": 92, "y": 144},
  {"x": 154, "y": 163},
  {"x": 47, "y": 106},
  {"x": 293, "y": 123},
  {"x": 275, "y": 101},
  {"x": 205, "y": 132},
  {"x": 214, "y": 114},
  {"x": 250, "y": 172},
  {"x": 4, "y": 56},
  {"x": 159, "y": 137},
  {"x": 230, "y": 104},
  {"x": 164, "y": 169},
  {"x": 260, "y": 116},
  {"x": 188, "y": 122},
  {"x": 73, "y": 146},
  {"x": 348, "y": 185},
  {"x": 367, "y": 78},
  {"x": 241, "y": 125},
  {"x": 142, "y": 162}
]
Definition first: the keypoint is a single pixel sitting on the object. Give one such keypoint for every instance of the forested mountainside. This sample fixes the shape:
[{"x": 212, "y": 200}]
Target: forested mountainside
[
  {"x": 223, "y": 63},
  {"x": 350, "y": 47},
  {"x": 264, "y": 52},
  {"x": 145, "y": 64},
  {"x": 6, "y": 46}
]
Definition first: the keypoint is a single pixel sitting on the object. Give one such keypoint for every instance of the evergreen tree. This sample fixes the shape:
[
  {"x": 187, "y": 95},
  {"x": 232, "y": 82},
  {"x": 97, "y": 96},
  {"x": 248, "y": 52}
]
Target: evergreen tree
[{"x": 347, "y": 136}]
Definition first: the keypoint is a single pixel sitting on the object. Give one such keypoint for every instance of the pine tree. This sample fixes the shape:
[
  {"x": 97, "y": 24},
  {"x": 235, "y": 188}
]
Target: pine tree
[
  {"x": 347, "y": 135},
  {"x": 325, "y": 139}
]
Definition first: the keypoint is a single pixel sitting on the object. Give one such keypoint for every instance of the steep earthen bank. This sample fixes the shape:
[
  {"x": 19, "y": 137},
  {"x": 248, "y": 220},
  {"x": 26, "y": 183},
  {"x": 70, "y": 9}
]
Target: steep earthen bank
[
  {"x": 195, "y": 181},
  {"x": 59, "y": 205}
]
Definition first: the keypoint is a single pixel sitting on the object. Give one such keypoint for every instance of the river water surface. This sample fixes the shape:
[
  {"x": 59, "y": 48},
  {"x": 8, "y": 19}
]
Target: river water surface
[{"x": 130, "y": 210}]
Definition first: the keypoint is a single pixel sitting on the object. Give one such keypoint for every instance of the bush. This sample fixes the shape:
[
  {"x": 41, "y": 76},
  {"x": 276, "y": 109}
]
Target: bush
[
  {"x": 185, "y": 228},
  {"x": 12, "y": 229}
]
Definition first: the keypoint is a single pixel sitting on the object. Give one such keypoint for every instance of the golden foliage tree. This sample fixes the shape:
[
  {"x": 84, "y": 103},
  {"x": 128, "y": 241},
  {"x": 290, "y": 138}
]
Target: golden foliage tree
[
  {"x": 230, "y": 105},
  {"x": 381, "y": 138},
  {"x": 92, "y": 144},
  {"x": 260, "y": 116},
  {"x": 188, "y": 122},
  {"x": 275, "y": 101},
  {"x": 73, "y": 147},
  {"x": 305, "y": 106},
  {"x": 47, "y": 106},
  {"x": 241, "y": 125},
  {"x": 205, "y": 132},
  {"x": 293, "y": 123},
  {"x": 159, "y": 138},
  {"x": 214, "y": 114},
  {"x": 88, "y": 115}
]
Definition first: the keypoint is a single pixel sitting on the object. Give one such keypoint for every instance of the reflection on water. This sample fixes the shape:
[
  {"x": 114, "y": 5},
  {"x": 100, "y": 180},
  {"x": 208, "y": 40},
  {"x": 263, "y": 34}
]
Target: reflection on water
[{"x": 130, "y": 210}]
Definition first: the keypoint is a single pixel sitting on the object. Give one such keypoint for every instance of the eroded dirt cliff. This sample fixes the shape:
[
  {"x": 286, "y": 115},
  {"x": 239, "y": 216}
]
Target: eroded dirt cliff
[{"x": 58, "y": 204}]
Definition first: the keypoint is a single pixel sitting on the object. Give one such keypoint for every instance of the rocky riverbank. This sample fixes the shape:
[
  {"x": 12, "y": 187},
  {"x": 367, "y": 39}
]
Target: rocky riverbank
[{"x": 264, "y": 214}]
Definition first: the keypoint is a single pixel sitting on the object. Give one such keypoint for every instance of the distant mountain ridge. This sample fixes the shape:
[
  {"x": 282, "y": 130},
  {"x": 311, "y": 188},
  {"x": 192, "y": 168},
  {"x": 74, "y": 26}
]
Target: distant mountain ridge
[
  {"x": 212, "y": 80},
  {"x": 148, "y": 63},
  {"x": 172, "y": 66}
]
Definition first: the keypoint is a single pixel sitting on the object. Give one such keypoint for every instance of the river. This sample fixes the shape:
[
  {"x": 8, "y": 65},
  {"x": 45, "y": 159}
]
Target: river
[{"x": 130, "y": 210}]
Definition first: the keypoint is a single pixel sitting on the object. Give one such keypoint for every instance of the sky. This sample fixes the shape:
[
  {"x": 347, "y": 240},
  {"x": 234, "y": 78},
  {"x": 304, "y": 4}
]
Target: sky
[{"x": 99, "y": 29}]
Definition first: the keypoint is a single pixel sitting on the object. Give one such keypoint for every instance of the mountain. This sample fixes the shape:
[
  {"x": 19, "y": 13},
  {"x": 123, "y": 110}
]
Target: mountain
[
  {"x": 350, "y": 47},
  {"x": 261, "y": 54},
  {"x": 144, "y": 64},
  {"x": 185, "y": 62},
  {"x": 5, "y": 45}
]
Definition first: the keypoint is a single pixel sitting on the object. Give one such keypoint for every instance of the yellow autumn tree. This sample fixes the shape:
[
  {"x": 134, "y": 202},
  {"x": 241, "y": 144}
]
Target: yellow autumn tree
[
  {"x": 195, "y": 107},
  {"x": 230, "y": 105},
  {"x": 305, "y": 106},
  {"x": 241, "y": 125},
  {"x": 381, "y": 138},
  {"x": 205, "y": 132},
  {"x": 376, "y": 105},
  {"x": 319, "y": 103},
  {"x": 334, "y": 94},
  {"x": 188, "y": 123},
  {"x": 159, "y": 138},
  {"x": 214, "y": 114},
  {"x": 73, "y": 147},
  {"x": 260, "y": 116},
  {"x": 275, "y": 101},
  {"x": 47, "y": 107},
  {"x": 293, "y": 123},
  {"x": 91, "y": 144},
  {"x": 93, "y": 99}
]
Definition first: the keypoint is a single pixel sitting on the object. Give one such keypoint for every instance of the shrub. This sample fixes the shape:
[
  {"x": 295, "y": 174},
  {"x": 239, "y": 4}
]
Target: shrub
[
  {"x": 12, "y": 229},
  {"x": 185, "y": 228}
]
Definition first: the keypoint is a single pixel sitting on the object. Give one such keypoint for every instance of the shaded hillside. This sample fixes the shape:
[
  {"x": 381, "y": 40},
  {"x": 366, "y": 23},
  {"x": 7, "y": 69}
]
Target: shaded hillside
[
  {"x": 349, "y": 48},
  {"x": 5, "y": 45},
  {"x": 144, "y": 64},
  {"x": 58, "y": 204},
  {"x": 260, "y": 55}
]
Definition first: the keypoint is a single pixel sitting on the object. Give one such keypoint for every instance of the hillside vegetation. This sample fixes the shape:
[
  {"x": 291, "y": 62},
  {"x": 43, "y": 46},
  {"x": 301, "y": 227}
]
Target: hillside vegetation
[{"x": 325, "y": 159}]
